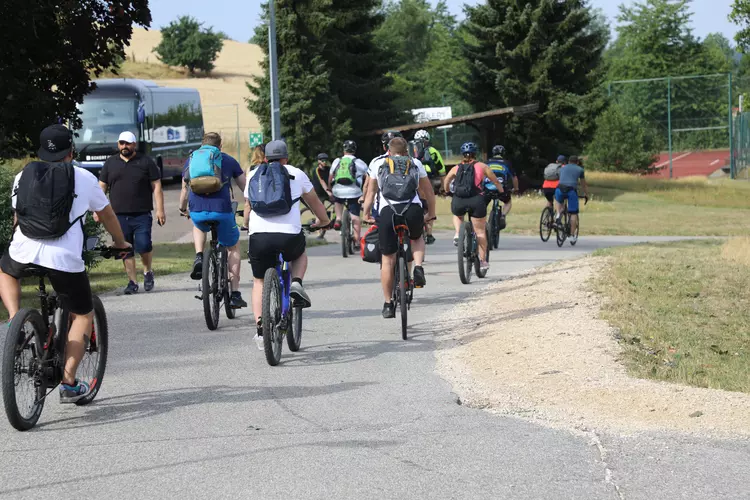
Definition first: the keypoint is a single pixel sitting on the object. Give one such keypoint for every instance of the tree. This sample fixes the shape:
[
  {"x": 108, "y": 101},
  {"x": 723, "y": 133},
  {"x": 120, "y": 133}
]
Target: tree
[
  {"x": 622, "y": 143},
  {"x": 547, "y": 52},
  {"x": 740, "y": 15},
  {"x": 332, "y": 77},
  {"x": 185, "y": 43},
  {"x": 46, "y": 70}
]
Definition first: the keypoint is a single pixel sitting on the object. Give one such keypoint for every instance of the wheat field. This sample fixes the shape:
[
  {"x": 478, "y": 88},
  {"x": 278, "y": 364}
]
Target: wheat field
[{"x": 220, "y": 92}]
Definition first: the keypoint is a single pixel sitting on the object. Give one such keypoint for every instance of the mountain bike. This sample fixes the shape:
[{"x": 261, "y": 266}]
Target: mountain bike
[
  {"x": 403, "y": 285},
  {"x": 34, "y": 351},
  {"x": 468, "y": 253},
  {"x": 562, "y": 229},
  {"x": 347, "y": 233},
  {"x": 280, "y": 317},
  {"x": 493, "y": 223},
  {"x": 546, "y": 223}
]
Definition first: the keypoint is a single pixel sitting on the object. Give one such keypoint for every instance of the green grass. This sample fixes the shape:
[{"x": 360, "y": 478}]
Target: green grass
[
  {"x": 630, "y": 205},
  {"x": 683, "y": 310}
]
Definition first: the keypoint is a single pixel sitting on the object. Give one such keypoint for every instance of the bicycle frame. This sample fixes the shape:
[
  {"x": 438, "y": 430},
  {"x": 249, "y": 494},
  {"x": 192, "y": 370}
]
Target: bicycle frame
[{"x": 284, "y": 274}]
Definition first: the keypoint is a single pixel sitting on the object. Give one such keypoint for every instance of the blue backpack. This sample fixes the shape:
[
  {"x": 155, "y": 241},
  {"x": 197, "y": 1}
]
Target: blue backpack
[
  {"x": 205, "y": 170},
  {"x": 502, "y": 172},
  {"x": 270, "y": 190}
]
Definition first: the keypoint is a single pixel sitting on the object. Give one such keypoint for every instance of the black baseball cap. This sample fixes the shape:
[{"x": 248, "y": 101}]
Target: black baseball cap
[
  {"x": 322, "y": 156},
  {"x": 55, "y": 143}
]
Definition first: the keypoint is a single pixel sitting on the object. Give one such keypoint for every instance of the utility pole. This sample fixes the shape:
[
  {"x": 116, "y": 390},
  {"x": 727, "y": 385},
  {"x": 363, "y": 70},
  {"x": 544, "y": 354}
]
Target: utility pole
[{"x": 274, "y": 72}]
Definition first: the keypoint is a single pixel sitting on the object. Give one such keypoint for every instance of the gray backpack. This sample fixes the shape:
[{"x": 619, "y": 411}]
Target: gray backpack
[
  {"x": 398, "y": 178},
  {"x": 552, "y": 172}
]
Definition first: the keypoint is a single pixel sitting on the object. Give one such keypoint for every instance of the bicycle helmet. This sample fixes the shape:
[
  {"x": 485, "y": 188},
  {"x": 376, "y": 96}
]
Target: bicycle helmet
[
  {"x": 322, "y": 157},
  {"x": 388, "y": 135},
  {"x": 469, "y": 148},
  {"x": 350, "y": 147},
  {"x": 422, "y": 135},
  {"x": 498, "y": 151}
]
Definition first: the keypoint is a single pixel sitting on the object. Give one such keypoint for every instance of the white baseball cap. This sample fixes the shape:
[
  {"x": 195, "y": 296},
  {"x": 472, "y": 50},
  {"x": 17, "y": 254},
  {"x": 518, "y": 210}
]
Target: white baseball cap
[{"x": 127, "y": 137}]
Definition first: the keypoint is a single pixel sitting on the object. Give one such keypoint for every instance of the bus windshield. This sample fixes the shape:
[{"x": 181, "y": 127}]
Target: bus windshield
[{"x": 104, "y": 119}]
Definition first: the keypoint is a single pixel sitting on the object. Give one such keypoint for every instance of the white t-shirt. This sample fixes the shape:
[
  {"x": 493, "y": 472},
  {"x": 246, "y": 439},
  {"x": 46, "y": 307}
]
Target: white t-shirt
[
  {"x": 354, "y": 190},
  {"x": 289, "y": 223},
  {"x": 373, "y": 172},
  {"x": 64, "y": 253}
]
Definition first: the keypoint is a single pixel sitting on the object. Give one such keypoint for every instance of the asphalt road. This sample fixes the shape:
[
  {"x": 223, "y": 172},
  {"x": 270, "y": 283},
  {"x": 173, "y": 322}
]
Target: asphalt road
[{"x": 357, "y": 413}]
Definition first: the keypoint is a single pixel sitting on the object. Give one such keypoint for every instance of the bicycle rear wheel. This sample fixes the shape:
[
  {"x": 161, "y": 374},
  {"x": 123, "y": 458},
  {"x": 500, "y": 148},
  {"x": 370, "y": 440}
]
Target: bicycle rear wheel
[
  {"x": 94, "y": 362},
  {"x": 272, "y": 335},
  {"x": 464, "y": 253},
  {"x": 403, "y": 282},
  {"x": 210, "y": 288},
  {"x": 23, "y": 385},
  {"x": 345, "y": 221},
  {"x": 494, "y": 232},
  {"x": 294, "y": 338},
  {"x": 562, "y": 229},
  {"x": 226, "y": 288},
  {"x": 545, "y": 224}
]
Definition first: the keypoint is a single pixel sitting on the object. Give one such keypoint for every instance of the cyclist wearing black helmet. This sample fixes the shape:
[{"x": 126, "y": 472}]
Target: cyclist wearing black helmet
[
  {"x": 503, "y": 171},
  {"x": 346, "y": 179},
  {"x": 384, "y": 139}
]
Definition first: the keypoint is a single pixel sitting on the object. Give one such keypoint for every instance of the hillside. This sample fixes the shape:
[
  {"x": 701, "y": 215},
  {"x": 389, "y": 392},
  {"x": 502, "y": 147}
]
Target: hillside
[{"x": 236, "y": 64}]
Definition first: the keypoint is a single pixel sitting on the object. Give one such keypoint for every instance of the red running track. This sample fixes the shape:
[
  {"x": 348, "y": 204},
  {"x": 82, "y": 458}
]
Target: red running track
[{"x": 685, "y": 164}]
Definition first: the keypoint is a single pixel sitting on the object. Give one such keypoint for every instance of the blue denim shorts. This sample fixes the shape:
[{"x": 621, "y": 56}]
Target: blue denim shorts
[{"x": 137, "y": 230}]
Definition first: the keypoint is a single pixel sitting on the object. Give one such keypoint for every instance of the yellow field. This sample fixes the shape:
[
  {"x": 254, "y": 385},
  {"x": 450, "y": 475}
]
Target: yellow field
[{"x": 220, "y": 92}]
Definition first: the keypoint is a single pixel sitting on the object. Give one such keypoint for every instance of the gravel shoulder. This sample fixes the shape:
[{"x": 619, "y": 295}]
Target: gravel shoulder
[{"x": 536, "y": 348}]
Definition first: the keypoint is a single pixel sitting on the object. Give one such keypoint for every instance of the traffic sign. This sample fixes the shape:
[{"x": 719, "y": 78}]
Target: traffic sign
[{"x": 256, "y": 139}]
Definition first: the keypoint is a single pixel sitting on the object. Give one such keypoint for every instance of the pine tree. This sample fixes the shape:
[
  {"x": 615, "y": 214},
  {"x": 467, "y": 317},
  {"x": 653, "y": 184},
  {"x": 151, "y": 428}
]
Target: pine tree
[{"x": 538, "y": 51}]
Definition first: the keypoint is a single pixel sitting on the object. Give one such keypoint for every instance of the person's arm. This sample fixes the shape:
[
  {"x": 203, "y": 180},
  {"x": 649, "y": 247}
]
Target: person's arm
[
  {"x": 437, "y": 158},
  {"x": 161, "y": 217},
  {"x": 493, "y": 178},
  {"x": 371, "y": 191},
  {"x": 585, "y": 187},
  {"x": 184, "y": 196},
  {"x": 448, "y": 178},
  {"x": 107, "y": 217},
  {"x": 425, "y": 186},
  {"x": 317, "y": 208}
]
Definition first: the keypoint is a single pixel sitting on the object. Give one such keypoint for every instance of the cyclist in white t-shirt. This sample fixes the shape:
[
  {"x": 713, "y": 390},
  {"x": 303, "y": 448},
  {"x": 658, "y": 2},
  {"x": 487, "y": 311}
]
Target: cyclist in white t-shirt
[
  {"x": 61, "y": 257},
  {"x": 281, "y": 234}
]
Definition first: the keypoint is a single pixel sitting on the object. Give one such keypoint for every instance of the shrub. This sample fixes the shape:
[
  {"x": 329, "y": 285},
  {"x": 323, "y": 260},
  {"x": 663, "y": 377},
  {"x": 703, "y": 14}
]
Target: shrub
[{"x": 622, "y": 143}]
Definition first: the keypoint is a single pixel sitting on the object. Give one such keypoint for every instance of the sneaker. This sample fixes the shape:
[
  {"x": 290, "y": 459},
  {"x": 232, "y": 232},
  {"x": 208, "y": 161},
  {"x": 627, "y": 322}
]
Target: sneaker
[
  {"x": 259, "y": 337},
  {"x": 455, "y": 241},
  {"x": 337, "y": 226},
  {"x": 572, "y": 239},
  {"x": 484, "y": 266},
  {"x": 131, "y": 288},
  {"x": 298, "y": 295},
  {"x": 419, "y": 279},
  {"x": 148, "y": 281},
  {"x": 389, "y": 310},
  {"x": 430, "y": 239},
  {"x": 236, "y": 301},
  {"x": 197, "y": 272},
  {"x": 322, "y": 235},
  {"x": 73, "y": 393}
]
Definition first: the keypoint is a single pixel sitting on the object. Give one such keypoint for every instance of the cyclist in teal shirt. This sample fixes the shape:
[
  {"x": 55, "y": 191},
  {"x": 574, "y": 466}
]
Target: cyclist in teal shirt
[{"x": 217, "y": 207}]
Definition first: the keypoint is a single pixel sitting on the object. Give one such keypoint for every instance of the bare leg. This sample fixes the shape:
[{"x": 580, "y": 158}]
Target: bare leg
[
  {"x": 417, "y": 250},
  {"x": 10, "y": 292},
  {"x": 80, "y": 327},
  {"x": 257, "y": 299},
  {"x": 357, "y": 223},
  {"x": 146, "y": 259},
  {"x": 299, "y": 267},
  {"x": 234, "y": 261},
  {"x": 573, "y": 223},
  {"x": 130, "y": 269},
  {"x": 457, "y": 221},
  {"x": 507, "y": 207},
  {"x": 199, "y": 239},
  {"x": 338, "y": 208},
  {"x": 480, "y": 228},
  {"x": 386, "y": 275}
]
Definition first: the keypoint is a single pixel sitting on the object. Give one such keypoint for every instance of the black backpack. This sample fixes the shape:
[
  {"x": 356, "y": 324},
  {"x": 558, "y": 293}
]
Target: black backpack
[
  {"x": 44, "y": 199},
  {"x": 465, "y": 187}
]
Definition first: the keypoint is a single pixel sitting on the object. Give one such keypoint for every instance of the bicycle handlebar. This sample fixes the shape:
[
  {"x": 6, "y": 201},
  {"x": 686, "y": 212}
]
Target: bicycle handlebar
[
  {"x": 115, "y": 253},
  {"x": 310, "y": 227}
]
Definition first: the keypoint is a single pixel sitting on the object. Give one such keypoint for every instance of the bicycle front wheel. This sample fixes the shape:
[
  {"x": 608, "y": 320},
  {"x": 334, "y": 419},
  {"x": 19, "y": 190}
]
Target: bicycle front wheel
[
  {"x": 403, "y": 303},
  {"x": 94, "y": 361},
  {"x": 23, "y": 384},
  {"x": 271, "y": 317},
  {"x": 545, "y": 224},
  {"x": 346, "y": 220},
  {"x": 210, "y": 288},
  {"x": 294, "y": 338}
]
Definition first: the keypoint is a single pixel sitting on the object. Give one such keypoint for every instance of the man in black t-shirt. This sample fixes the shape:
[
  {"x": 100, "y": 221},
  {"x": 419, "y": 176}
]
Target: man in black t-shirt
[{"x": 133, "y": 182}]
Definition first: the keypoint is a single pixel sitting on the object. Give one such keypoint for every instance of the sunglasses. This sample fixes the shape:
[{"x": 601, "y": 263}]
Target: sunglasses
[{"x": 123, "y": 143}]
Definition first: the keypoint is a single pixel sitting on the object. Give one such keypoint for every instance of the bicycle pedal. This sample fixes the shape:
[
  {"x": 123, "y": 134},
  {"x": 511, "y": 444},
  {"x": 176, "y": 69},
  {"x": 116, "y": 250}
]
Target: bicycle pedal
[{"x": 199, "y": 297}]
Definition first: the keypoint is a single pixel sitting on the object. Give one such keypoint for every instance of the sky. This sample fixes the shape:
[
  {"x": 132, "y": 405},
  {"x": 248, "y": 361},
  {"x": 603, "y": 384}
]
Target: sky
[{"x": 238, "y": 18}]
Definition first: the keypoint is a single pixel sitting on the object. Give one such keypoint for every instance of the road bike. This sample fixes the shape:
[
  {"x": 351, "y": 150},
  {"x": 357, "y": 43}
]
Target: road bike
[
  {"x": 546, "y": 223},
  {"x": 468, "y": 253},
  {"x": 280, "y": 316},
  {"x": 562, "y": 228},
  {"x": 34, "y": 350}
]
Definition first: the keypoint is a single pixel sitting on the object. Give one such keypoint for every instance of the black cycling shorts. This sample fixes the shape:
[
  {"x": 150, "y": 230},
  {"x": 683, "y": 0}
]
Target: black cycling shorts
[
  {"x": 549, "y": 193},
  {"x": 266, "y": 247},
  {"x": 475, "y": 206},
  {"x": 413, "y": 218},
  {"x": 73, "y": 288}
]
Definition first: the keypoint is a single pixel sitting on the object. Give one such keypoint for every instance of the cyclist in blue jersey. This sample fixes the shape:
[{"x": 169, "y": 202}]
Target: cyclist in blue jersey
[
  {"x": 504, "y": 173},
  {"x": 217, "y": 207}
]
